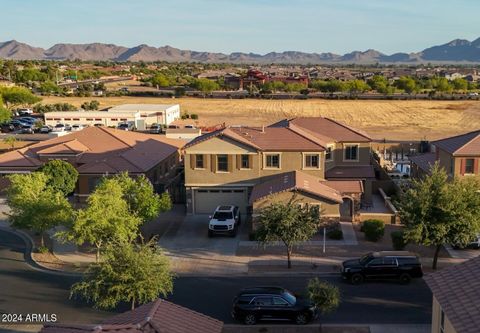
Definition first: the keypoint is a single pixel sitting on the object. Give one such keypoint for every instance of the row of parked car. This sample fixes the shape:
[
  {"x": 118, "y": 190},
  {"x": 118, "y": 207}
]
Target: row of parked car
[{"x": 276, "y": 303}]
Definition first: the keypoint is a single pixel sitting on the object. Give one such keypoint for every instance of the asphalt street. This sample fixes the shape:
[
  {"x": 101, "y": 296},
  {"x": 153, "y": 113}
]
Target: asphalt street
[{"x": 24, "y": 289}]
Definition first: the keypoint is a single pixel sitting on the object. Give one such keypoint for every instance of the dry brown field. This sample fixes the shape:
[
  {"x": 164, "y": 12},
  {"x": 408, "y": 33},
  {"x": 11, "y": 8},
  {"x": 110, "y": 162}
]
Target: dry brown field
[{"x": 393, "y": 120}]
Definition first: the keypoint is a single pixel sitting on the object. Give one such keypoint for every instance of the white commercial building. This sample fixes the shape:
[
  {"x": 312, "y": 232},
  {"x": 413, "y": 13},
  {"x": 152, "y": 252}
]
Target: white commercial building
[
  {"x": 141, "y": 116},
  {"x": 163, "y": 114}
]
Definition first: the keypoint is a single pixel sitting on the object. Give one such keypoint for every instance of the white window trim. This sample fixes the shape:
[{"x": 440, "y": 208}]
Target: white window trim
[
  {"x": 265, "y": 167},
  {"x": 345, "y": 145},
  {"x": 331, "y": 153},
  {"x": 304, "y": 156}
]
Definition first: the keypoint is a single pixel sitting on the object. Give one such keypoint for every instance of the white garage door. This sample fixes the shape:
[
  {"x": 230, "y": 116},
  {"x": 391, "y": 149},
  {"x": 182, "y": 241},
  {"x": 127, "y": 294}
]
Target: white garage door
[{"x": 207, "y": 200}]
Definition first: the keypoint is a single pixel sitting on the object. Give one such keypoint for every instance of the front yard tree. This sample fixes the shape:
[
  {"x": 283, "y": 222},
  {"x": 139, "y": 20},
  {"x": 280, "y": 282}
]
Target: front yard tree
[
  {"x": 288, "y": 223},
  {"x": 324, "y": 295},
  {"x": 106, "y": 218},
  {"x": 141, "y": 198},
  {"x": 17, "y": 96},
  {"x": 36, "y": 206},
  {"x": 62, "y": 176},
  {"x": 436, "y": 212},
  {"x": 134, "y": 273}
]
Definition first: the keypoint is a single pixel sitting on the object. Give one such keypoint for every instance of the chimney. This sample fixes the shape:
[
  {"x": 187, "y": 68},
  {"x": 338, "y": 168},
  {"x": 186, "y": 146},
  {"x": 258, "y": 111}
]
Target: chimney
[{"x": 263, "y": 128}]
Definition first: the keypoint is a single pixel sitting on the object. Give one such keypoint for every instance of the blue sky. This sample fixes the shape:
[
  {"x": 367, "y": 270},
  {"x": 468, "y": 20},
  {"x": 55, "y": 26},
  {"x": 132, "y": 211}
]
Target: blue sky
[{"x": 259, "y": 26}]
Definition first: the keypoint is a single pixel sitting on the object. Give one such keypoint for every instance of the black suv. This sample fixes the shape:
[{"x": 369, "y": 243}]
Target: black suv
[
  {"x": 271, "y": 303},
  {"x": 399, "y": 265}
]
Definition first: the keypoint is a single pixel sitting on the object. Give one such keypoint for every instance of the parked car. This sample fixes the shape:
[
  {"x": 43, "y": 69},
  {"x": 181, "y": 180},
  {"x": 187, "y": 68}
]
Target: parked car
[
  {"x": 474, "y": 244},
  {"x": 46, "y": 129},
  {"x": 59, "y": 128},
  {"x": 18, "y": 123},
  {"x": 29, "y": 120},
  {"x": 190, "y": 126},
  {"x": 384, "y": 265},
  {"x": 173, "y": 126},
  {"x": 24, "y": 111},
  {"x": 98, "y": 125},
  {"x": 27, "y": 129},
  {"x": 76, "y": 127},
  {"x": 225, "y": 220},
  {"x": 125, "y": 127},
  {"x": 473, "y": 94},
  {"x": 68, "y": 127},
  {"x": 156, "y": 129},
  {"x": 271, "y": 303}
]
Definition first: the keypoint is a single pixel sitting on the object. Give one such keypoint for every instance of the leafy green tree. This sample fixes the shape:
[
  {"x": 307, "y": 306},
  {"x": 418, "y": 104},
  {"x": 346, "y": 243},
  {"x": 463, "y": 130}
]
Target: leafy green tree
[
  {"x": 443, "y": 85},
  {"x": 324, "y": 295},
  {"x": 10, "y": 140},
  {"x": 436, "y": 212},
  {"x": 36, "y": 206},
  {"x": 407, "y": 84},
  {"x": 92, "y": 105},
  {"x": 141, "y": 198},
  {"x": 129, "y": 272},
  {"x": 288, "y": 223},
  {"x": 460, "y": 84},
  {"x": 160, "y": 80},
  {"x": 206, "y": 86},
  {"x": 17, "y": 96},
  {"x": 106, "y": 218},
  {"x": 356, "y": 87},
  {"x": 49, "y": 87},
  {"x": 62, "y": 176},
  {"x": 294, "y": 87}
]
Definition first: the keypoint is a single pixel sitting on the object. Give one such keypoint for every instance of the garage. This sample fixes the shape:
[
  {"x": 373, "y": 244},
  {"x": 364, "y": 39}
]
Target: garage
[{"x": 206, "y": 200}]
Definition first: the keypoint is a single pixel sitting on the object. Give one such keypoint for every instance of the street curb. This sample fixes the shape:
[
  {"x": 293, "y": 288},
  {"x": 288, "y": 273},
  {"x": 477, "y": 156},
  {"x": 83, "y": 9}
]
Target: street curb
[{"x": 27, "y": 254}]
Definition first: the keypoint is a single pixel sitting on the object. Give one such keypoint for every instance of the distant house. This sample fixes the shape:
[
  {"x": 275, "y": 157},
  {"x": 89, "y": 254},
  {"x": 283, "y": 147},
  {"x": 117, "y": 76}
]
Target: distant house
[
  {"x": 456, "y": 294},
  {"x": 99, "y": 151},
  {"x": 160, "y": 316},
  {"x": 326, "y": 163},
  {"x": 459, "y": 156}
]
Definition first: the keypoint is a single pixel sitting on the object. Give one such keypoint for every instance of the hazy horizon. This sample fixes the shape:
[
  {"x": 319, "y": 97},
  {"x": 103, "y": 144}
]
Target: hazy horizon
[{"x": 259, "y": 26}]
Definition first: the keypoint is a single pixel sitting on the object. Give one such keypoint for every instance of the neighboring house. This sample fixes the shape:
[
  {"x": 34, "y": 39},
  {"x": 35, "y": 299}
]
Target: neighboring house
[
  {"x": 183, "y": 133},
  {"x": 456, "y": 291},
  {"x": 458, "y": 156},
  {"x": 159, "y": 316},
  {"x": 325, "y": 162},
  {"x": 99, "y": 151}
]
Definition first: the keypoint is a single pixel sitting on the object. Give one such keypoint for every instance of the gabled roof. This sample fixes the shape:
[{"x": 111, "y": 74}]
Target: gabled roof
[
  {"x": 264, "y": 139},
  {"x": 351, "y": 172},
  {"x": 423, "y": 161},
  {"x": 345, "y": 186},
  {"x": 326, "y": 129},
  {"x": 99, "y": 150},
  {"x": 159, "y": 316},
  {"x": 465, "y": 144},
  {"x": 294, "y": 181},
  {"x": 457, "y": 289}
]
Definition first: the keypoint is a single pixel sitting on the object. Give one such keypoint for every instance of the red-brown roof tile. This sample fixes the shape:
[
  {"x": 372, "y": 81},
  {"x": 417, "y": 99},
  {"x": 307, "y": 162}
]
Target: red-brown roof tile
[
  {"x": 99, "y": 150},
  {"x": 294, "y": 181},
  {"x": 159, "y": 316},
  {"x": 351, "y": 172},
  {"x": 457, "y": 289},
  {"x": 345, "y": 186},
  {"x": 423, "y": 161},
  {"x": 467, "y": 144}
]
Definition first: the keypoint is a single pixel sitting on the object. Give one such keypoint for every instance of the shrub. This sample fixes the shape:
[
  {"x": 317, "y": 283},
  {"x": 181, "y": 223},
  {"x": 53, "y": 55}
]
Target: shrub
[
  {"x": 373, "y": 229},
  {"x": 335, "y": 234},
  {"x": 42, "y": 249},
  {"x": 184, "y": 116},
  {"x": 324, "y": 295},
  {"x": 194, "y": 116},
  {"x": 398, "y": 240}
]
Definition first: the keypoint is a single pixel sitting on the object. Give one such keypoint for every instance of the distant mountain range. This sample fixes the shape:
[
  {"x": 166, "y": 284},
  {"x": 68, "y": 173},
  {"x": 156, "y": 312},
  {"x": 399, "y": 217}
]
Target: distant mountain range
[{"x": 456, "y": 51}]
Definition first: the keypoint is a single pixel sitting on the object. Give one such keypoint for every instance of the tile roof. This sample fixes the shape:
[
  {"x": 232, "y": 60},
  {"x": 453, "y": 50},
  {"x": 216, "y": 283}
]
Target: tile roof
[
  {"x": 465, "y": 144},
  {"x": 457, "y": 289},
  {"x": 423, "y": 161},
  {"x": 99, "y": 150},
  {"x": 345, "y": 186},
  {"x": 159, "y": 316},
  {"x": 327, "y": 129},
  {"x": 294, "y": 180},
  {"x": 349, "y": 172}
]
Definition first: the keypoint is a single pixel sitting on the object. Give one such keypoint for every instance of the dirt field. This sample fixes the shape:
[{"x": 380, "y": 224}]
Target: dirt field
[{"x": 394, "y": 120}]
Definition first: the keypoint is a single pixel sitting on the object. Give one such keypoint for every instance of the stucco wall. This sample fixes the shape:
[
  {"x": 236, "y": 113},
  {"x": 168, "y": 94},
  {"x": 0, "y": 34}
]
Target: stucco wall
[{"x": 436, "y": 318}]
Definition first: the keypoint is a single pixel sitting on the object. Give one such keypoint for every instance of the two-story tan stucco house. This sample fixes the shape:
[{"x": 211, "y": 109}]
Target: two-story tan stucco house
[
  {"x": 326, "y": 163},
  {"x": 458, "y": 155}
]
